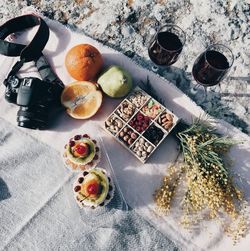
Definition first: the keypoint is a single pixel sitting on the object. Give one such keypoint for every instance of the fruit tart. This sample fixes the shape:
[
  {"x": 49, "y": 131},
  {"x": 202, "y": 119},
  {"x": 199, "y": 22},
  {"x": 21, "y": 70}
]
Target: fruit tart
[
  {"x": 93, "y": 188},
  {"x": 81, "y": 153}
]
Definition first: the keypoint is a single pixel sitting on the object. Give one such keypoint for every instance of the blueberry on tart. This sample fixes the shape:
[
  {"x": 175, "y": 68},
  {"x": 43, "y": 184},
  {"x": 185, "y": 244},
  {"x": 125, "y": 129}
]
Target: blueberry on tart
[
  {"x": 93, "y": 188},
  {"x": 81, "y": 152}
]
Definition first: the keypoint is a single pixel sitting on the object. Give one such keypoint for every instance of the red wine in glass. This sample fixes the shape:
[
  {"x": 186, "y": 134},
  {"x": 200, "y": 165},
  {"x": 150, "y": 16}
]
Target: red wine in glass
[
  {"x": 166, "y": 45},
  {"x": 212, "y": 65}
]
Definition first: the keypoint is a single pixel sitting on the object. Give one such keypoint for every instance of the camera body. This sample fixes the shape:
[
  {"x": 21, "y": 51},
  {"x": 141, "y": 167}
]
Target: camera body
[
  {"x": 35, "y": 98},
  {"x": 12, "y": 84}
]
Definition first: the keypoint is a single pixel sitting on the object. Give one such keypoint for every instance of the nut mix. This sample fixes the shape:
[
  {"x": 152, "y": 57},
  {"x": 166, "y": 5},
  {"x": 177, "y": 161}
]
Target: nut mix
[
  {"x": 125, "y": 110},
  {"x": 142, "y": 148},
  {"x": 154, "y": 134},
  {"x": 140, "y": 122},
  {"x": 127, "y": 135},
  {"x": 113, "y": 124},
  {"x": 138, "y": 98},
  {"x": 152, "y": 109},
  {"x": 165, "y": 120}
]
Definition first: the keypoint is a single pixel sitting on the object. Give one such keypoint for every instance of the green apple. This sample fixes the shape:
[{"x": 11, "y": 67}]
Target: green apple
[{"x": 115, "y": 82}]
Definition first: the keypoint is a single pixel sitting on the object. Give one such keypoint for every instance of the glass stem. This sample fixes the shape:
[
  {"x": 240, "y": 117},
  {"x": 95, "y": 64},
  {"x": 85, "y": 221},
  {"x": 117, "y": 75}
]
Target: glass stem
[{"x": 205, "y": 94}]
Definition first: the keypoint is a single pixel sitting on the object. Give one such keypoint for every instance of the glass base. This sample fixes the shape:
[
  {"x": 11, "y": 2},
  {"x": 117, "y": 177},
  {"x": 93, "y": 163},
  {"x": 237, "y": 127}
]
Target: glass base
[
  {"x": 194, "y": 89},
  {"x": 154, "y": 68}
]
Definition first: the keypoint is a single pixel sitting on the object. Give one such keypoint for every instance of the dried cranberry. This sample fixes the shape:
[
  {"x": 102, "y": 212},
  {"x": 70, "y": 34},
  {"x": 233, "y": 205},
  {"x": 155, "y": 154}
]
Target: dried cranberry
[
  {"x": 85, "y": 136},
  {"x": 77, "y": 188},
  {"x": 138, "y": 128},
  {"x": 97, "y": 149},
  {"x": 72, "y": 143},
  {"x": 96, "y": 157},
  {"x": 80, "y": 180},
  {"x": 110, "y": 188},
  {"x": 108, "y": 197},
  {"x": 94, "y": 141},
  {"x": 140, "y": 116},
  {"x": 102, "y": 204},
  {"x": 77, "y": 137}
]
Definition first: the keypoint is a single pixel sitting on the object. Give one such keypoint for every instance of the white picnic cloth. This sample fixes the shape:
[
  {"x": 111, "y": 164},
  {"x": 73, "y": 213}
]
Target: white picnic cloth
[{"x": 137, "y": 181}]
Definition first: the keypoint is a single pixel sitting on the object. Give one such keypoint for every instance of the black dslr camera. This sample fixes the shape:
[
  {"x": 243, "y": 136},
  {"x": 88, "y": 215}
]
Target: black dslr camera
[{"x": 35, "y": 98}]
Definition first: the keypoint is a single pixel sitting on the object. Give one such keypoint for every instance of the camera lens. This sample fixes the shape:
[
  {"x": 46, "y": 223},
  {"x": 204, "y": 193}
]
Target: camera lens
[{"x": 34, "y": 117}]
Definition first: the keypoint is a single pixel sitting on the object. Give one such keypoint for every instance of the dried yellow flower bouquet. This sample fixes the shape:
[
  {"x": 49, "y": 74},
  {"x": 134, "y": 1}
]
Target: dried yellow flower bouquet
[{"x": 208, "y": 184}]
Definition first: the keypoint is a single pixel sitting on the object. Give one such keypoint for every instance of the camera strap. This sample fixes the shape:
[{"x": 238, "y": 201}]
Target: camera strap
[{"x": 30, "y": 52}]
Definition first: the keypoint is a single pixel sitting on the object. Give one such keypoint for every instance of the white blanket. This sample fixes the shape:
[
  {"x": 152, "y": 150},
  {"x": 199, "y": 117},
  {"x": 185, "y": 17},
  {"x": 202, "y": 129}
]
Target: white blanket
[{"x": 137, "y": 181}]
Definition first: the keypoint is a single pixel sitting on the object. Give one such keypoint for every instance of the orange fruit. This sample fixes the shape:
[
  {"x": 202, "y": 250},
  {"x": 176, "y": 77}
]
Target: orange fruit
[
  {"x": 83, "y": 62},
  {"x": 82, "y": 99}
]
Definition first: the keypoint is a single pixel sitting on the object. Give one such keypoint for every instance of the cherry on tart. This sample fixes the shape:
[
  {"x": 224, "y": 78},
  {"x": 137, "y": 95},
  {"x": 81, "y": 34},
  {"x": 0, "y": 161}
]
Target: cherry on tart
[
  {"x": 93, "y": 189},
  {"x": 81, "y": 152}
]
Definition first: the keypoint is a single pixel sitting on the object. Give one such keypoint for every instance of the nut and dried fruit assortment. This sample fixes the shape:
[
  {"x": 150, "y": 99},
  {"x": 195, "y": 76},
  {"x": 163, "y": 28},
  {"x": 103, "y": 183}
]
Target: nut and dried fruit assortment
[
  {"x": 154, "y": 134},
  {"x": 125, "y": 110},
  {"x": 142, "y": 148},
  {"x": 114, "y": 124},
  {"x": 128, "y": 135},
  {"x": 166, "y": 120},
  {"x": 138, "y": 98},
  {"x": 152, "y": 108},
  {"x": 140, "y": 122},
  {"x": 143, "y": 124}
]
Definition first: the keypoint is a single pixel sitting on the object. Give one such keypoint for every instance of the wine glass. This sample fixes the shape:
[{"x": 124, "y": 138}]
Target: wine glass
[
  {"x": 212, "y": 66},
  {"x": 166, "y": 45}
]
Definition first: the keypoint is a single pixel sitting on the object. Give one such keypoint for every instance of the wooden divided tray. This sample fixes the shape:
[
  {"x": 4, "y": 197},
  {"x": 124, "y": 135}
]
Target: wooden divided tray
[{"x": 140, "y": 123}]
